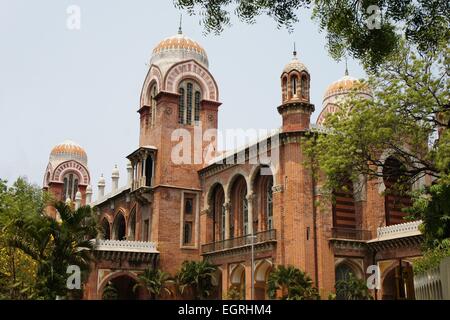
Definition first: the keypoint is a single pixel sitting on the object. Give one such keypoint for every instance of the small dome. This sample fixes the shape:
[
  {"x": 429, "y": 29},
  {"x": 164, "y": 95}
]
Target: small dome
[
  {"x": 345, "y": 85},
  {"x": 89, "y": 189},
  {"x": 101, "y": 181},
  {"x": 176, "y": 49},
  {"x": 68, "y": 150},
  {"x": 78, "y": 196},
  {"x": 295, "y": 64},
  {"x": 115, "y": 172}
]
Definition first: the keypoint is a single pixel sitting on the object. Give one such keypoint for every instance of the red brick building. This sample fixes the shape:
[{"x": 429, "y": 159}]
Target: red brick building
[{"x": 184, "y": 200}]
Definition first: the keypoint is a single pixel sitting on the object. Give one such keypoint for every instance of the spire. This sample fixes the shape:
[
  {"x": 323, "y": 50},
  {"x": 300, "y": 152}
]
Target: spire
[
  {"x": 180, "y": 30},
  {"x": 295, "y": 51},
  {"x": 346, "y": 66}
]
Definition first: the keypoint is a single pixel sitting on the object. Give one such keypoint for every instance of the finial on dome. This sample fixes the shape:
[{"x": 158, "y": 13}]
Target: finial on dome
[
  {"x": 295, "y": 51},
  {"x": 180, "y": 30}
]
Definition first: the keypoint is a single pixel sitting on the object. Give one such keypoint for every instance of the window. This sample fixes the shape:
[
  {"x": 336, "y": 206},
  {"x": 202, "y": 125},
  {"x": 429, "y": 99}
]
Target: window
[
  {"x": 294, "y": 85},
  {"x": 146, "y": 229},
  {"x": 181, "y": 106},
  {"x": 120, "y": 228},
  {"x": 304, "y": 87},
  {"x": 187, "y": 234},
  {"x": 70, "y": 187},
  {"x": 153, "y": 105},
  {"x": 106, "y": 234},
  {"x": 188, "y": 204},
  {"x": 269, "y": 209},
  {"x": 197, "y": 107},
  {"x": 189, "y": 103}
]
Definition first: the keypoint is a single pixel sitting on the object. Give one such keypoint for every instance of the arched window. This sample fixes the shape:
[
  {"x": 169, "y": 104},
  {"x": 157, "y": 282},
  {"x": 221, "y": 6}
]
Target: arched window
[
  {"x": 294, "y": 82},
  {"x": 239, "y": 208},
  {"x": 120, "y": 228},
  {"x": 284, "y": 88},
  {"x": 106, "y": 233},
  {"x": 181, "y": 106},
  {"x": 396, "y": 195},
  {"x": 304, "y": 87},
  {"x": 269, "y": 206},
  {"x": 189, "y": 103},
  {"x": 154, "y": 92},
  {"x": 70, "y": 187}
]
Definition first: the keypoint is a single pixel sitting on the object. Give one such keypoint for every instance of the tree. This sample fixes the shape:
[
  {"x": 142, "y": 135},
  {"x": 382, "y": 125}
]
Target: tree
[
  {"x": 292, "y": 283},
  {"x": 17, "y": 270},
  {"x": 110, "y": 292},
  {"x": 352, "y": 288},
  {"x": 197, "y": 276},
  {"x": 409, "y": 106},
  {"x": 54, "y": 245},
  {"x": 369, "y": 30},
  {"x": 155, "y": 281},
  {"x": 432, "y": 206}
]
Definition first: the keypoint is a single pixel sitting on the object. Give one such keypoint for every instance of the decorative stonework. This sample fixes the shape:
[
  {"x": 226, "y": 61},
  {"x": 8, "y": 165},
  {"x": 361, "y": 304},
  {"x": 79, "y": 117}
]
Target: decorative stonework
[
  {"x": 71, "y": 166},
  {"x": 191, "y": 69}
]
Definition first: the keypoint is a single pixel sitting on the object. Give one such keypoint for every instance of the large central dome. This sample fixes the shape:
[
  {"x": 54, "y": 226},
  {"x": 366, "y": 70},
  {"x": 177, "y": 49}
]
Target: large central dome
[{"x": 176, "y": 49}]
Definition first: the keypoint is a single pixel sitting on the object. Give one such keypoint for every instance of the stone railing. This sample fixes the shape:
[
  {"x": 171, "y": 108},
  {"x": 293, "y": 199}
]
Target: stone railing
[
  {"x": 434, "y": 284},
  {"x": 399, "y": 230},
  {"x": 260, "y": 237},
  {"x": 125, "y": 246}
]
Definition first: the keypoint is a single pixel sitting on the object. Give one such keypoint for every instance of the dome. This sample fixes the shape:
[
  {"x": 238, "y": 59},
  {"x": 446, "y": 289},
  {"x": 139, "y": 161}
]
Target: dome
[
  {"x": 176, "y": 49},
  {"x": 101, "y": 181},
  {"x": 68, "y": 150},
  {"x": 295, "y": 64},
  {"x": 345, "y": 85},
  {"x": 115, "y": 172}
]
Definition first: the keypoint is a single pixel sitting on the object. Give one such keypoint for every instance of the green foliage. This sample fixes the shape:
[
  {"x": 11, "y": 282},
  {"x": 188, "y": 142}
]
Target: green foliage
[
  {"x": 432, "y": 206},
  {"x": 198, "y": 277},
  {"x": 292, "y": 283},
  {"x": 155, "y": 281},
  {"x": 408, "y": 93},
  {"x": 432, "y": 257},
  {"x": 110, "y": 292},
  {"x": 233, "y": 293},
  {"x": 40, "y": 246},
  {"x": 352, "y": 288},
  {"x": 424, "y": 23}
]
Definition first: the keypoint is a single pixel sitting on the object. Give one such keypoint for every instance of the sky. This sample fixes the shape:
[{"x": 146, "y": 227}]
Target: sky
[{"x": 84, "y": 85}]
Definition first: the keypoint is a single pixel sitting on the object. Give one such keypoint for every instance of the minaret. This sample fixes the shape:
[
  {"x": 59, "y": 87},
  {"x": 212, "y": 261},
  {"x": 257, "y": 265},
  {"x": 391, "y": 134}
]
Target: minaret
[
  {"x": 115, "y": 179},
  {"x": 101, "y": 187},
  {"x": 296, "y": 109}
]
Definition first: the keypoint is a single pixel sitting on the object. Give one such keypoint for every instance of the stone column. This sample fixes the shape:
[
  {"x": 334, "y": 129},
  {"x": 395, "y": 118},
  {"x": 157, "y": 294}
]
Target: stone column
[
  {"x": 250, "y": 199},
  {"x": 227, "y": 219}
]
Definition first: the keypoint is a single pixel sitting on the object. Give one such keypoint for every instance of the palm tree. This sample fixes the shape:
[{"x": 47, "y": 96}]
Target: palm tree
[
  {"x": 293, "y": 284},
  {"x": 352, "y": 288},
  {"x": 155, "y": 281},
  {"x": 198, "y": 276},
  {"x": 55, "y": 245}
]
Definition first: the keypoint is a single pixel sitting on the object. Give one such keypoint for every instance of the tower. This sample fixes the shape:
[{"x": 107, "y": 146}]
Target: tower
[
  {"x": 178, "y": 120},
  {"x": 296, "y": 108},
  {"x": 67, "y": 172}
]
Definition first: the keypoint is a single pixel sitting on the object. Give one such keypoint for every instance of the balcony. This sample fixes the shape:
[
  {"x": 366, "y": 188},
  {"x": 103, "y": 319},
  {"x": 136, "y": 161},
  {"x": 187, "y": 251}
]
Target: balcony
[
  {"x": 136, "y": 251},
  {"x": 401, "y": 230},
  {"x": 240, "y": 242},
  {"x": 350, "y": 234}
]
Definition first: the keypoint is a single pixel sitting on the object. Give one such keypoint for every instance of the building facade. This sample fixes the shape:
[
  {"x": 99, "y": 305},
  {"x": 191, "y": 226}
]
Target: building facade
[{"x": 246, "y": 210}]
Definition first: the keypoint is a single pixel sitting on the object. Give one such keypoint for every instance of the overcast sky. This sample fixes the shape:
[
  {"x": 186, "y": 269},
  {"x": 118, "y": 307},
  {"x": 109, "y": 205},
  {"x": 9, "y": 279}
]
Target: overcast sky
[{"x": 58, "y": 84}]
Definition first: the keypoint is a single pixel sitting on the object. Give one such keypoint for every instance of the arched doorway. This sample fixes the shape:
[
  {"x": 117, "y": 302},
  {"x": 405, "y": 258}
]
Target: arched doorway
[
  {"x": 239, "y": 224},
  {"x": 262, "y": 272},
  {"x": 343, "y": 271},
  {"x": 119, "y": 227},
  {"x": 132, "y": 226},
  {"x": 121, "y": 288},
  {"x": 398, "y": 283},
  {"x": 217, "y": 205},
  {"x": 238, "y": 281}
]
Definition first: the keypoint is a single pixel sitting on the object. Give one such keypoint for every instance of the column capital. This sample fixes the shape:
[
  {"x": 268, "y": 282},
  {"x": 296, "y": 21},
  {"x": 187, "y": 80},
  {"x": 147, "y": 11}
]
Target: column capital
[{"x": 251, "y": 196}]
